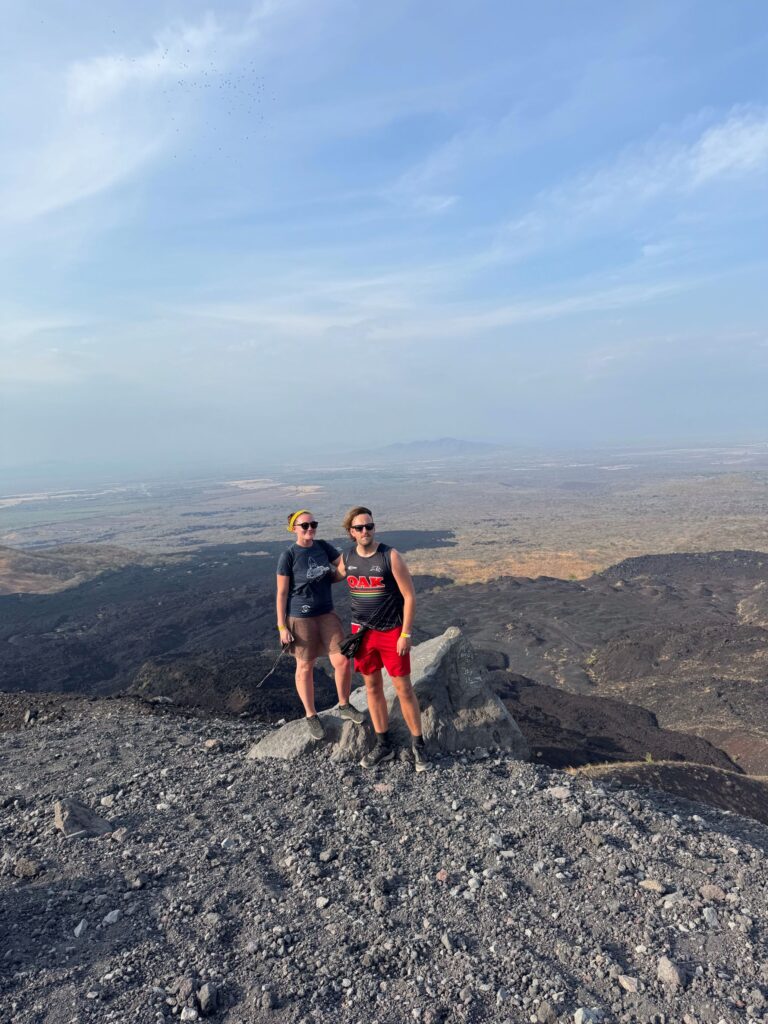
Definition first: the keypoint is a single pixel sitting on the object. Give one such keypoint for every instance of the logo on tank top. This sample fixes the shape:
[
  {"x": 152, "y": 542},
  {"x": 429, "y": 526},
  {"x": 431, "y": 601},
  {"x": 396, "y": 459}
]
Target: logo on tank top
[{"x": 366, "y": 582}]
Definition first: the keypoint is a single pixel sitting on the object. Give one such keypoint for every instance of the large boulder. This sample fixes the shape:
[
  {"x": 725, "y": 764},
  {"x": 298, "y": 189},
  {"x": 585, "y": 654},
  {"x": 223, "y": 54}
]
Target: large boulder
[{"x": 459, "y": 710}]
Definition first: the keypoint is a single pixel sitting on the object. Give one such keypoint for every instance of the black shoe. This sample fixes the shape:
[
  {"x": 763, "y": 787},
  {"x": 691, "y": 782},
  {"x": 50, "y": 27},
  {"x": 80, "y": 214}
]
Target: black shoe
[
  {"x": 315, "y": 726},
  {"x": 421, "y": 761},
  {"x": 380, "y": 753},
  {"x": 351, "y": 714}
]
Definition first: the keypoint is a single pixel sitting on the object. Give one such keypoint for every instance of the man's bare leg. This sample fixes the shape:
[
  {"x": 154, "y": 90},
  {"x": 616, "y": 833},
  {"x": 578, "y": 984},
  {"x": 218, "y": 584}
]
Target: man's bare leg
[
  {"x": 409, "y": 703},
  {"x": 377, "y": 702}
]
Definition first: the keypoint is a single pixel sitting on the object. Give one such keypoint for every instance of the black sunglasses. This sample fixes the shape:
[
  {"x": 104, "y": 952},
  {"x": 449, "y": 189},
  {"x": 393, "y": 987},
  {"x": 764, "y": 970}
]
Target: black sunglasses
[
  {"x": 365, "y": 526},
  {"x": 306, "y": 526}
]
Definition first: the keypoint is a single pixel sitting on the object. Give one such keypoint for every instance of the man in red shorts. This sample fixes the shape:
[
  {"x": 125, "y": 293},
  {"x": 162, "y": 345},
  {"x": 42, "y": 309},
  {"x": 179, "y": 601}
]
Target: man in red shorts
[{"x": 383, "y": 601}]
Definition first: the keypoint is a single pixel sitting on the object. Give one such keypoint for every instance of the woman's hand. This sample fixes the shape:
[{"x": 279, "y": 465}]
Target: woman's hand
[
  {"x": 286, "y": 636},
  {"x": 403, "y": 645}
]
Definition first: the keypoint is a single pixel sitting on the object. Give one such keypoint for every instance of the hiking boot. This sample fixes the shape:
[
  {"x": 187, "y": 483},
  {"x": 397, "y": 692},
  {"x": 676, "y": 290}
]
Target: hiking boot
[
  {"x": 380, "y": 753},
  {"x": 350, "y": 714},
  {"x": 315, "y": 726},
  {"x": 421, "y": 761}
]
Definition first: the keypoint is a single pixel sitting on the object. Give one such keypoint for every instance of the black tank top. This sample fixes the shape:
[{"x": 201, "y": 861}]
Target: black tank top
[{"x": 376, "y": 597}]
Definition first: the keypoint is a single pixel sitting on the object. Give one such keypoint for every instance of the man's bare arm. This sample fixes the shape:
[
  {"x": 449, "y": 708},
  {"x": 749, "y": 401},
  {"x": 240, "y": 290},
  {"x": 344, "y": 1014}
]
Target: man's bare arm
[{"x": 404, "y": 581}]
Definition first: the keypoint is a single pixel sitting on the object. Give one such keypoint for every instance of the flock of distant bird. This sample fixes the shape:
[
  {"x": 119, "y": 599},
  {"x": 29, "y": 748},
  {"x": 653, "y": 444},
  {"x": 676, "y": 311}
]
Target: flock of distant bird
[{"x": 245, "y": 90}]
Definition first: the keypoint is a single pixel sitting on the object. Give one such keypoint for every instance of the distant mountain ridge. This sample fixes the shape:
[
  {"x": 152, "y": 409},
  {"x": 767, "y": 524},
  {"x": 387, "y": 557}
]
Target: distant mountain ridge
[{"x": 441, "y": 447}]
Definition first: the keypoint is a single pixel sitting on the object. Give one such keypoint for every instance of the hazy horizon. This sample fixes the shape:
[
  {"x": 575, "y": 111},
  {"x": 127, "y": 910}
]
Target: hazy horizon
[
  {"x": 63, "y": 475},
  {"x": 248, "y": 232}
]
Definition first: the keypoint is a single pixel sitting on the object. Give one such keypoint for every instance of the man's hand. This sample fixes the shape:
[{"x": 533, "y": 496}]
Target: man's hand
[
  {"x": 286, "y": 636},
  {"x": 403, "y": 645}
]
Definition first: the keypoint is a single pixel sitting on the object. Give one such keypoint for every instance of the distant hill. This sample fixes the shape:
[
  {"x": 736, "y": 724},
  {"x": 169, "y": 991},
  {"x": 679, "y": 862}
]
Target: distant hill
[{"x": 439, "y": 448}]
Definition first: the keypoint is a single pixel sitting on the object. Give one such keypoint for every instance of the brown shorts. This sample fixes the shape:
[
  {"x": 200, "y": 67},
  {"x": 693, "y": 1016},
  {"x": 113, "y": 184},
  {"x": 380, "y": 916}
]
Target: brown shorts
[{"x": 313, "y": 637}]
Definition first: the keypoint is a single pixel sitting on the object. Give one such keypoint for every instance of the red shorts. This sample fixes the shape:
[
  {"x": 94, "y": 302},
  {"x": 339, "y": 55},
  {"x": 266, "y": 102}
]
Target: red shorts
[{"x": 379, "y": 649}]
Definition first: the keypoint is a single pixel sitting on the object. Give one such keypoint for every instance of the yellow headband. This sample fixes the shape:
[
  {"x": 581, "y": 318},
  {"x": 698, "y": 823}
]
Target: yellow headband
[{"x": 294, "y": 517}]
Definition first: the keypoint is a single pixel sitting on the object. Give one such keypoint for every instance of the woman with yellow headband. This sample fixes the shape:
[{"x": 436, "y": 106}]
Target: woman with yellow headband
[{"x": 306, "y": 619}]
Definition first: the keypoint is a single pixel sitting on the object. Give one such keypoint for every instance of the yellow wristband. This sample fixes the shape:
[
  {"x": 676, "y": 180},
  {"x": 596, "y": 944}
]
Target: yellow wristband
[
  {"x": 407, "y": 636},
  {"x": 282, "y": 627}
]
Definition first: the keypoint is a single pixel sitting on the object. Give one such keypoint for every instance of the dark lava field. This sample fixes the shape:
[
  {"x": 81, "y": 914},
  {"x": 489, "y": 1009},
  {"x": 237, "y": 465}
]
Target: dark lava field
[{"x": 663, "y": 656}]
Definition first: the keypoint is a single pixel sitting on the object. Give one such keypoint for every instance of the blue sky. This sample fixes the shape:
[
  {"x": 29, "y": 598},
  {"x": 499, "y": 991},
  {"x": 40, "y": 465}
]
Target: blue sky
[{"x": 238, "y": 229}]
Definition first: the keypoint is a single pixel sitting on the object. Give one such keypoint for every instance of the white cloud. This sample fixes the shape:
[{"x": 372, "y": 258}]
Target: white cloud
[
  {"x": 738, "y": 146},
  {"x": 98, "y": 82},
  {"x": 618, "y": 193},
  {"x": 109, "y": 123}
]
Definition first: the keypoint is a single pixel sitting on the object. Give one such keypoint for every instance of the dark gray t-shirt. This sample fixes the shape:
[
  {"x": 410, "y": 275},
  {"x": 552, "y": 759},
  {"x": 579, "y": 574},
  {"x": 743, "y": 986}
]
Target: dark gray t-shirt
[{"x": 311, "y": 571}]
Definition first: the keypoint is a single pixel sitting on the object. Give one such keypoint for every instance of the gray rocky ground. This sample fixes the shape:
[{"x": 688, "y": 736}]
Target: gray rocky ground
[{"x": 485, "y": 890}]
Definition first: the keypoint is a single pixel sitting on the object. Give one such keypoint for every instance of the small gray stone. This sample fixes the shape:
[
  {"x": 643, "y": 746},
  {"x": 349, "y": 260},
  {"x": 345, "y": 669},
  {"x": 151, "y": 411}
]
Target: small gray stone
[
  {"x": 185, "y": 989},
  {"x": 712, "y": 892},
  {"x": 75, "y": 819},
  {"x": 112, "y": 917},
  {"x": 80, "y": 928},
  {"x": 652, "y": 885},
  {"x": 558, "y": 793},
  {"x": 25, "y": 867},
  {"x": 585, "y": 1015},
  {"x": 545, "y": 1014},
  {"x": 208, "y": 997},
  {"x": 670, "y": 974},
  {"x": 711, "y": 918},
  {"x": 627, "y": 983},
  {"x": 322, "y": 902}
]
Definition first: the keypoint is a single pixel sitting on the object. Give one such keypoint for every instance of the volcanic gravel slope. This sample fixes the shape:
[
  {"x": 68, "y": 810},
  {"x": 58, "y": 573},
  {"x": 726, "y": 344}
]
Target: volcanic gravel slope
[{"x": 485, "y": 890}]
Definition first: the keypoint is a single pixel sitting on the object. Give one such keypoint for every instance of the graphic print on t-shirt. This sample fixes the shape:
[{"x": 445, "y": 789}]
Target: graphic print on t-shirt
[{"x": 316, "y": 571}]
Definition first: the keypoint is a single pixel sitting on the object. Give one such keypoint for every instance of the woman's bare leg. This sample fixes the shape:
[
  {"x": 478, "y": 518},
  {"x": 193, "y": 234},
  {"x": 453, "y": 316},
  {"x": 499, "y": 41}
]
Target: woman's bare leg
[
  {"x": 343, "y": 675},
  {"x": 305, "y": 685}
]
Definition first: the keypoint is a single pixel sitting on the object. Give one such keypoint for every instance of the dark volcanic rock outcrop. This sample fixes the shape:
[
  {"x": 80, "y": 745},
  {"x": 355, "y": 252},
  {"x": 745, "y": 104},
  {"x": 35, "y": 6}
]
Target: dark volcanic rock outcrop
[
  {"x": 565, "y": 729},
  {"x": 699, "y": 783},
  {"x": 228, "y": 681},
  {"x": 676, "y": 634}
]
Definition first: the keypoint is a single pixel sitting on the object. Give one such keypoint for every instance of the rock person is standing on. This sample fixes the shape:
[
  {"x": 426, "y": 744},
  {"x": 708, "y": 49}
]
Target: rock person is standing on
[
  {"x": 306, "y": 619},
  {"x": 383, "y": 598}
]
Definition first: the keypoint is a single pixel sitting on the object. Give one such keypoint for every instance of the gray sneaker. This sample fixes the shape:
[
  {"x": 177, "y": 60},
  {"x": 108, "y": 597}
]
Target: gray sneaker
[
  {"x": 421, "y": 761},
  {"x": 350, "y": 714},
  {"x": 315, "y": 726},
  {"x": 381, "y": 752}
]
